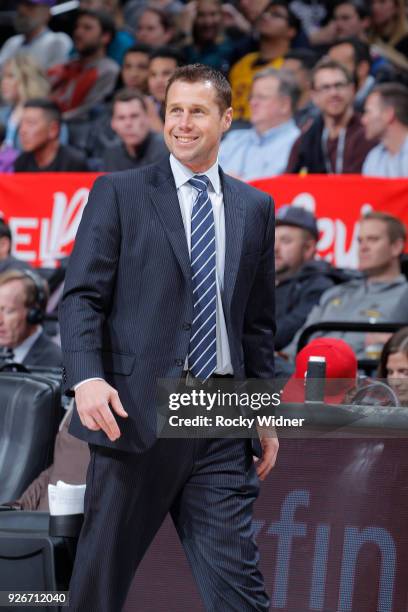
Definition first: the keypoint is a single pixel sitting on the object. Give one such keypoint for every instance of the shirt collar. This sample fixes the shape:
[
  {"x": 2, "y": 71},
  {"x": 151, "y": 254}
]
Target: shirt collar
[
  {"x": 21, "y": 351},
  {"x": 39, "y": 35},
  {"x": 182, "y": 174},
  {"x": 274, "y": 131}
]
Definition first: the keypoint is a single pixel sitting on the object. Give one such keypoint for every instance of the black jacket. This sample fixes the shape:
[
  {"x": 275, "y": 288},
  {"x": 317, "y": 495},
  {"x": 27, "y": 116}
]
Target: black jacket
[
  {"x": 44, "y": 352},
  {"x": 296, "y": 296}
]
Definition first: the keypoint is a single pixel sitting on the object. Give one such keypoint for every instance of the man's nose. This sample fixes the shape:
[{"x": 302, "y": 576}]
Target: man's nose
[{"x": 185, "y": 120}]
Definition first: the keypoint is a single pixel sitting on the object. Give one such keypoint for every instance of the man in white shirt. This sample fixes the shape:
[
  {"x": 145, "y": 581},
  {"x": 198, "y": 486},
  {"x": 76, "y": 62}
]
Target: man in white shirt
[
  {"x": 34, "y": 37},
  {"x": 171, "y": 276},
  {"x": 23, "y": 297},
  {"x": 263, "y": 150},
  {"x": 386, "y": 118}
]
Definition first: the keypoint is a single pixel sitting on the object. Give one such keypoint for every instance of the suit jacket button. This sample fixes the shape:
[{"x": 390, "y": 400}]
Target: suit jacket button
[
  {"x": 187, "y": 326},
  {"x": 179, "y": 362}
]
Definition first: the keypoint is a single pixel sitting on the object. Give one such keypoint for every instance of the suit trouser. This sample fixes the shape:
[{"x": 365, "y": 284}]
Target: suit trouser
[{"x": 208, "y": 486}]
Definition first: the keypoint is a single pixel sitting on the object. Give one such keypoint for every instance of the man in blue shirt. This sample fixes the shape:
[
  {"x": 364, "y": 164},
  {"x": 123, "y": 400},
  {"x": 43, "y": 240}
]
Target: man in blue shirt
[
  {"x": 386, "y": 117},
  {"x": 263, "y": 150}
]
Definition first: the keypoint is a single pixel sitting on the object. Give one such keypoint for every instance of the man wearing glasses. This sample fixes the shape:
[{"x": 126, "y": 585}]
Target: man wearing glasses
[{"x": 335, "y": 143}]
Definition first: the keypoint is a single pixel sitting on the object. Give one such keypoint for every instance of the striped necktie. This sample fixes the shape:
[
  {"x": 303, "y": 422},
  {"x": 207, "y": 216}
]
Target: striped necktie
[{"x": 202, "y": 354}]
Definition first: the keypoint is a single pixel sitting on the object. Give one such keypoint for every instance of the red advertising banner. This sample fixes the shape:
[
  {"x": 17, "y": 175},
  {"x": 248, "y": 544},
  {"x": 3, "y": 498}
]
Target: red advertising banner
[
  {"x": 44, "y": 210},
  {"x": 339, "y": 202}
]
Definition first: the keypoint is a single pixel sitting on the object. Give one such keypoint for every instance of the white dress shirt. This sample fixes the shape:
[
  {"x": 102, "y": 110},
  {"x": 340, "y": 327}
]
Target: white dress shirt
[
  {"x": 21, "y": 351},
  {"x": 187, "y": 195}
]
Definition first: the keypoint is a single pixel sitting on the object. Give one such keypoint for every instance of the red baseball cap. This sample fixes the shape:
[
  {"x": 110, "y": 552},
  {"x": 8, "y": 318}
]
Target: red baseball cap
[{"x": 341, "y": 370}]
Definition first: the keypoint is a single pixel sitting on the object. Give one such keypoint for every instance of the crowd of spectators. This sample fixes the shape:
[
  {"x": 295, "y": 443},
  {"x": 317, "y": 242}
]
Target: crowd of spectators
[
  {"x": 326, "y": 83},
  {"x": 318, "y": 87}
]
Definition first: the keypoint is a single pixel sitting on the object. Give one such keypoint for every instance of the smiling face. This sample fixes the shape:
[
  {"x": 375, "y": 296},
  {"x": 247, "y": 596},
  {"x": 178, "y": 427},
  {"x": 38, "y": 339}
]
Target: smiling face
[
  {"x": 194, "y": 124},
  {"x": 332, "y": 93}
]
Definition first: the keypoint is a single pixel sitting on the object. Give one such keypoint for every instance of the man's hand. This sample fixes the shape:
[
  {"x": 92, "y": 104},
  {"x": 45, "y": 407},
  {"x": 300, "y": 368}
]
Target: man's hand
[
  {"x": 270, "y": 446},
  {"x": 93, "y": 399}
]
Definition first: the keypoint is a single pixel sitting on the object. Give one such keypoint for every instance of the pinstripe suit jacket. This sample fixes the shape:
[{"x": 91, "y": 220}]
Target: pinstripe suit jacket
[{"x": 127, "y": 307}]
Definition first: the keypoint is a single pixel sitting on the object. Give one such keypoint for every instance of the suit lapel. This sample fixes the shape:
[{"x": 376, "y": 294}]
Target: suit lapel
[
  {"x": 166, "y": 202},
  {"x": 234, "y": 210}
]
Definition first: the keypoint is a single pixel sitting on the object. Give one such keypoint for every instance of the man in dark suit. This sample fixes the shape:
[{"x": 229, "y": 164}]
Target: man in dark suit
[
  {"x": 23, "y": 298},
  {"x": 172, "y": 276}
]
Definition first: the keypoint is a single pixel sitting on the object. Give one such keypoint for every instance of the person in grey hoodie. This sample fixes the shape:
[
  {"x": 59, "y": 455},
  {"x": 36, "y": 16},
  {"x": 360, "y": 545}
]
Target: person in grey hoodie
[
  {"x": 300, "y": 277},
  {"x": 380, "y": 294}
]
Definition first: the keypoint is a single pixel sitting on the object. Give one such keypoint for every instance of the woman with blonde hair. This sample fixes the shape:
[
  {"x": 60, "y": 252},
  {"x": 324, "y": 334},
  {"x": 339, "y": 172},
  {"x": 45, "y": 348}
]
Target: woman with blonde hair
[
  {"x": 389, "y": 25},
  {"x": 21, "y": 79}
]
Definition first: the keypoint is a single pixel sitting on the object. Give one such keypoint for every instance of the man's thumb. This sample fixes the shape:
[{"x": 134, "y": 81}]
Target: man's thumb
[{"x": 117, "y": 405}]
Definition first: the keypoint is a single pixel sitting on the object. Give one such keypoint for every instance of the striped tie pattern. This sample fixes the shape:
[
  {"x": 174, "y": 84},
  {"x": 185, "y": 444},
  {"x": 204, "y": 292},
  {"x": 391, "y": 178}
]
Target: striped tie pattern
[{"x": 202, "y": 354}]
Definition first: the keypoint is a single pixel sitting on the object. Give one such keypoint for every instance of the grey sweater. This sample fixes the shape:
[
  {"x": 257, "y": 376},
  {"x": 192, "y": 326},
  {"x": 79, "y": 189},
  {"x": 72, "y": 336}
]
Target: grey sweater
[{"x": 358, "y": 300}]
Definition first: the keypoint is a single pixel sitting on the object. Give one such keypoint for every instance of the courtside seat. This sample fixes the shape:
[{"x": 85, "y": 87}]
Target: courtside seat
[{"x": 30, "y": 412}]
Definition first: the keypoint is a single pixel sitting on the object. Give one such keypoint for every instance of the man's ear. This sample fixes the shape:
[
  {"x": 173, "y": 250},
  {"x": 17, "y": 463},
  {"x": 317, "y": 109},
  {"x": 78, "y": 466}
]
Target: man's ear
[
  {"x": 54, "y": 129},
  {"x": 107, "y": 38},
  {"x": 363, "y": 70},
  {"x": 227, "y": 119},
  {"x": 397, "y": 247}
]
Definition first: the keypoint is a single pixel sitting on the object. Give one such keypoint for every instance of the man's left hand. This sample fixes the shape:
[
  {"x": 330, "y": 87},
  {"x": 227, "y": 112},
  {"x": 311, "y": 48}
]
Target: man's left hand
[{"x": 270, "y": 446}]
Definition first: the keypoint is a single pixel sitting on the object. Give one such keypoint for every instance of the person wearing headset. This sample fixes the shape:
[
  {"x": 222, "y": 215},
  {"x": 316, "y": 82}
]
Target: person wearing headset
[{"x": 23, "y": 298}]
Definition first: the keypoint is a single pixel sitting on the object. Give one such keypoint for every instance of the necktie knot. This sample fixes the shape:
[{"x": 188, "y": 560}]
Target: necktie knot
[{"x": 200, "y": 182}]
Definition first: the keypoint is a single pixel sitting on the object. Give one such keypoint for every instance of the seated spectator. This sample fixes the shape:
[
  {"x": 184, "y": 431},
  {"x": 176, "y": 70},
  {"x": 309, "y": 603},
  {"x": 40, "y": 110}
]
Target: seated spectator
[
  {"x": 210, "y": 45},
  {"x": 393, "y": 365},
  {"x": 82, "y": 83},
  {"x": 138, "y": 146},
  {"x": 21, "y": 80},
  {"x": 354, "y": 54},
  {"x": 71, "y": 459},
  {"x": 134, "y": 8},
  {"x": 352, "y": 19},
  {"x": 277, "y": 26},
  {"x": 93, "y": 137},
  {"x": 389, "y": 25},
  {"x": 34, "y": 37},
  {"x": 300, "y": 277},
  {"x": 154, "y": 28},
  {"x": 39, "y": 134},
  {"x": 386, "y": 118},
  {"x": 335, "y": 142},
  {"x": 123, "y": 39},
  {"x": 342, "y": 383},
  {"x": 163, "y": 62},
  {"x": 380, "y": 295},
  {"x": 135, "y": 67},
  {"x": 263, "y": 150},
  {"x": 300, "y": 62},
  {"x": 7, "y": 260},
  {"x": 23, "y": 299}
]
